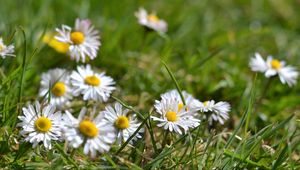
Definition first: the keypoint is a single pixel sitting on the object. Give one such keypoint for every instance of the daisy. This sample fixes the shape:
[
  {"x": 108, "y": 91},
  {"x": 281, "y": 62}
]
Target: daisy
[
  {"x": 6, "y": 50},
  {"x": 190, "y": 101},
  {"x": 272, "y": 67},
  {"x": 92, "y": 85},
  {"x": 60, "y": 47},
  {"x": 124, "y": 124},
  {"x": 151, "y": 21},
  {"x": 95, "y": 134},
  {"x": 173, "y": 118},
  {"x": 40, "y": 124},
  {"x": 56, "y": 83},
  {"x": 218, "y": 111},
  {"x": 83, "y": 40}
]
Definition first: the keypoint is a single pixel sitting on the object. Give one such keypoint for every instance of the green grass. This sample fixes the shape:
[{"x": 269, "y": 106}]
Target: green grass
[{"x": 206, "y": 49}]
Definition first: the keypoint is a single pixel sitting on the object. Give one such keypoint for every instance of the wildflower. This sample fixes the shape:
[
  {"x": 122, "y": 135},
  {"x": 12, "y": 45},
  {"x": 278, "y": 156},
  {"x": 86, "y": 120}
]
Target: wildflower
[
  {"x": 6, "y": 50},
  {"x": 219, "y": 111},
  {"x": 190, "y": 101},
  {"x": 92, "y": 85},
  {"x": 173, "y": 118},
  {"x": 151, "y": 21},
  {"x": 40, "y": 124},
  {"x": 60, "y": 47},
  {"x": 272, "y": 67},
  {"x": 95, "y": 134},
  {"x": 56, "y": 83},
  {"x": 124, "y": 124},
  {"x": 83, "y": 40}
]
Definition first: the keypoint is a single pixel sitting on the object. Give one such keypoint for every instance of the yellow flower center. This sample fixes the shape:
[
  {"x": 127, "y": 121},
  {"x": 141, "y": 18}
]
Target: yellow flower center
[
  {"x": 153, "y": 18},
  {"x": 1, "y": 47},
  {"x": 205, "y": 103},
  {"x": 59, "y": 89},
  {"x": 88, "y": 128},
  {"x": 180, "y": 106},
  {"x": 275, "y": 64},
  {"x": 92, "y": 80},
  {"x": 43, "y": 124},
  {"x": 122, "y": 122},
  {"x": 171, "y": 116},
  {"x": 77, "y": 37}
]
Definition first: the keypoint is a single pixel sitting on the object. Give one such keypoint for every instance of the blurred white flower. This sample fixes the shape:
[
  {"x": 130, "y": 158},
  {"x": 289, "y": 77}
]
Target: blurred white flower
[
  {"x": 190, "y": 101},
  {"x": 83, "y": 40},
  {"x": 272, "y": 67},
  {"x": 56, "y": 83},
  {"x": 173, "y": 118},
  {"x": 40, "y": 124},
  {"x": 124, "y": 124},
  {"x": 151, "y": 21},
  {"x": 92, "y": 85},
  {"x": 218, "y": 111},
  {"x": 6, "y": 50},
  {"x": 94, "y": 133}
]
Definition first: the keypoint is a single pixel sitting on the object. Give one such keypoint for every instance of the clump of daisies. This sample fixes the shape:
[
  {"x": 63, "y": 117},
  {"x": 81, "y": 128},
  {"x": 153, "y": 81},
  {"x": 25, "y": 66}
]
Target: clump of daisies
[
  {"x": 6, "y": 50},
  {"x": 83, "y": 40},
  {"x": 151, "y": 21},
  {"x": 272, "y": 67}
]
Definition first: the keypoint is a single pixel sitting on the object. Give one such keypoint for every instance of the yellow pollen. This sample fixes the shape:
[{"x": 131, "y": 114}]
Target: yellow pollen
[
  {"x": 153, "y": 18},
  {"x": 42, "y": 124},
  {"x": 1, "y": 47},
  {"x": 92, "y": 80},
  {"x": 275, "y": 64},
  {"x": 77, "y": 37},
  {"x": 88, "y": 128},
  {"x": 205, "y": 103},
  {"x": 180, "y": 106},
  {"x": 59, "y": 89},
  {"x": 171, "y": 116},
  {"x": 122, "y": 122}
]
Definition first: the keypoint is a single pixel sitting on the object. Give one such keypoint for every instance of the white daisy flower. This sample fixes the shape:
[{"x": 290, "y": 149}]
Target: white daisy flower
[
  {"x": 6, "y": 50},
  {"x": 95, "y": 134},
  {"x": 218, "y": 111},
  {"x": 56, "y": 83},
  {"x": 272, "y": 67},
  {"x": 173, "y": 118},
  {"x": 151, "y": 21},
  {"x": 40, "y": 124},
  {"x": 190, "y": 101},
  {"x": 124, "y": 124},
  {"x": 92, "y": 85},
  {"x": 83, "y": 40}
]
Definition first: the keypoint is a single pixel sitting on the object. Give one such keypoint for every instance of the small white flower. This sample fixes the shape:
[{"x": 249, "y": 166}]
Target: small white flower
[
  {"x": 56, "y": 83},
  {"x": 83, "y": 40},
  {"x": 92, "y": 85},
  {"x": 124, "y": 124},
  {"x": 95, "y": 134},
  {"x": 219, "y": 111},
  {"x": 273, "y": 67},
  {"x": 6, "y": 50},
  {"x": 173, "y": 118},
  {"x": 151, "y": 21},
  {"x": 190, "y": 101},
  {"x": 40, "y": 124}
]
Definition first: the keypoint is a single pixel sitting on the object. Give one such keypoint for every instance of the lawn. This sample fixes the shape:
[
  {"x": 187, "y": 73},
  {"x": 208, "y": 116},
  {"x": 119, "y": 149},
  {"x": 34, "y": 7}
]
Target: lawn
[{"x": 206, "y": 51}]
